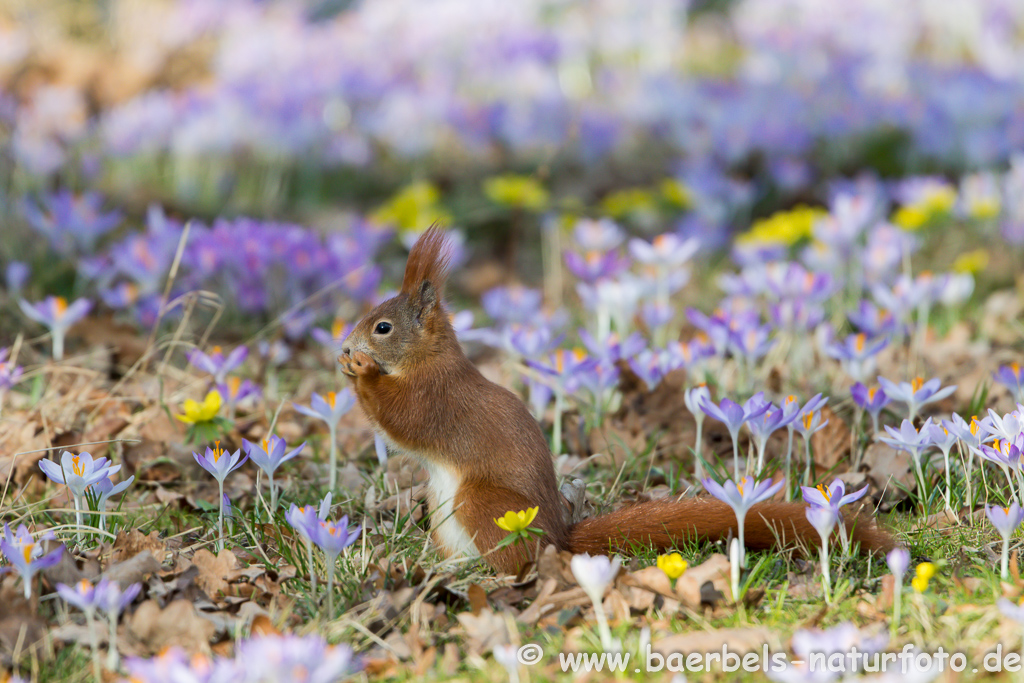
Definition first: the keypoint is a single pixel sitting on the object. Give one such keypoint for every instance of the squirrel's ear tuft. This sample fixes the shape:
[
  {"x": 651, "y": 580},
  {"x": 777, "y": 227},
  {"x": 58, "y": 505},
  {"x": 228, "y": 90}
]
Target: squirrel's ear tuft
[
  {"x": 425, "y": 301},
  {"x": 428, "y": 261}
]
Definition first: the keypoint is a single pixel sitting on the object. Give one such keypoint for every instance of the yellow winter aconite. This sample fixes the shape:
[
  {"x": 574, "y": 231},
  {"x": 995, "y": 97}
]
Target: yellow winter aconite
[
  {"x": 672, "y": 564},
  {"x": 784, "y": 227},
  {"x": 519, "y": 191},
  {"x": 202, "y": 412},
  {"x": 517, "y": 521}
]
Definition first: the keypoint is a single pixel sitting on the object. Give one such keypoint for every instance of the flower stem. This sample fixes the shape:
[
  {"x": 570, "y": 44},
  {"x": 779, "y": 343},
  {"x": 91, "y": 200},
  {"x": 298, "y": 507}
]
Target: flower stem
[
  {"x": 789, "y": 465},
  {"x": 220, "y": 517},
  {"x": 90, "y": 624},
  {"x": 602, "y": 625},
  {"x": 330, "y": 588},
  {"x": 826, "y": 572},
  {"x": 736, "y": 454},
  {"x": 112, "y": 646},
  {"x": 312, "y": 568},
  {"x": 273, "y": 497},
  {"x": 58, "y": 345},
  {"x": 333, "y": 476},
  {"x": 1006, "y": 559},
  {"x": 556, "y": 426},
  {"x": 897, "y": 604},
  {"x": 78, "y": 518},
  {"x": 698, "y": 459}
]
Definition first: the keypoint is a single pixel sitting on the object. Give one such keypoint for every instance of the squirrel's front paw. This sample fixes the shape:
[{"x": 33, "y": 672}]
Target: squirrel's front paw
[
  {"x": 346, "y": 365},
  {"x": 361, "y": 365}
]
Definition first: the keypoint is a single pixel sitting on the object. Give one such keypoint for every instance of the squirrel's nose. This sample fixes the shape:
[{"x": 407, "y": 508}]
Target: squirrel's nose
[{"x": 346, "y": 349}]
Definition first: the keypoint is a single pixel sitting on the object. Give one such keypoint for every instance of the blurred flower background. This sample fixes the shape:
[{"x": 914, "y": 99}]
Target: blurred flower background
[{"x": 796, "y": 211}]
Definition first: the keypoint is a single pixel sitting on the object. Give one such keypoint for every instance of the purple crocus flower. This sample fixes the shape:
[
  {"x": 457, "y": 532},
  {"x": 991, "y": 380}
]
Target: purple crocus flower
[
  {"x": 15, "y": 276},
  {"x": 55, "y": 313},
  {"x": 751, "y": 342},
  {"x": 613, "y": 347},
  {"x": 857, "y": 354},
  {"x": 1012, "y": 377},
  {"x": 909, "y": 439},
  {"x": 742, "y": 496},
  {"x": 833, "y": 496},
  {"x": 216, "y": 363},
  {"x": 666, "y": 251},
  {"x": 220, "y": 464},
  {"x": 693, "y": 398},
  {"x": 917, "y": 393},
  {"x": 78, "y": 473},
  {"x": 83, "y": 595},
  {"x": 808, "y": 423},
  {"x": 268, "y": 456},
  {"x": 898, "y": 560},
  {"x": 944, "y": 440},
  {"x": 301, "y": 659},
  {"x": 815, "y": 645},
  {"x": 332, "y": 538},
  {"x": 598, "y": 235},
  {"x": 733, "y": 415},
  {"x": 873, "y": 321},
  {"x": 529, "y": 341},
  {"x": 764, "y": 426},
  {"x": 973, "y": 433},
  {"x": 594, "y": 265},
  {"x": 1006, "y": 521},
  {"x": 507, "y": 305},
  {"x": 1011, "y": 609},
  {"x": 72, "y": 223},
  {"x": 9, "y": 374},
  {"x": 824, "y": 520},
  {"x": 330, "y": 409},
  {"x": 1007, "y": 426},
  {"x": 872, "y": 400},
  {"x": 305, "y": 521},
  {"x": 25, "y": 554}
]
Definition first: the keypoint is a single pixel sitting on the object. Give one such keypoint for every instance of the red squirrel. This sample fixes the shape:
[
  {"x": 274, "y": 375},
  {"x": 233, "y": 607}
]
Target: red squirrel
[{"x": 487, "y": 455}]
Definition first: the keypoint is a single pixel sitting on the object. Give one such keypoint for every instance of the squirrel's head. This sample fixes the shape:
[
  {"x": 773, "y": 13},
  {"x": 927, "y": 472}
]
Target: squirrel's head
[{"x": 413, "y": 325}]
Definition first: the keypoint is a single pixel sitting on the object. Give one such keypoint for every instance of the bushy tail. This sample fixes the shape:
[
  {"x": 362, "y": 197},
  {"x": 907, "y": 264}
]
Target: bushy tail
[{"x": 665, "y": 523}]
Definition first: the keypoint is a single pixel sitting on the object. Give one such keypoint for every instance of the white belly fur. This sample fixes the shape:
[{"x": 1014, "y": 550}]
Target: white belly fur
[{"x": 453, "y": 538}]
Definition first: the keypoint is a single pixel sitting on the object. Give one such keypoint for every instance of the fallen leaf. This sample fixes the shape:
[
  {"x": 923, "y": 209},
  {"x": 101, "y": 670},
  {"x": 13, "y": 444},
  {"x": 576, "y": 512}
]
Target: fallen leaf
[
  {"x": 214, "y": 570},
  {"x": 177, "y": 625}
]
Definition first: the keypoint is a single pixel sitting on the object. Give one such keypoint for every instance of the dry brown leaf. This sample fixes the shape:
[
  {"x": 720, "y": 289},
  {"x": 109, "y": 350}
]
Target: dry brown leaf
[
  {"x": 831, "y": 446},
  {"x": 714, "y": 570},
  {"x": 129, "y": 544},
  {"x": 134, "y": 570},
  {"x": 177, "y": 625},
  {"x": 738, "y": 640},
  {"x": 484, "y": 631},
  {"x": 214, "y": 570}
]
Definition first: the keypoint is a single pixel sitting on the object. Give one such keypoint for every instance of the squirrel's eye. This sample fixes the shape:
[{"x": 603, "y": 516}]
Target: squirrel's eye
[{"x": 382, "y": 327}]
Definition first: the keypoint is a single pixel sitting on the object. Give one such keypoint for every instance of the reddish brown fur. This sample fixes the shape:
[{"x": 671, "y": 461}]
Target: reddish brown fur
[
  {"x": 417, "y": 386},
  {"x": 429, "y": 259}
]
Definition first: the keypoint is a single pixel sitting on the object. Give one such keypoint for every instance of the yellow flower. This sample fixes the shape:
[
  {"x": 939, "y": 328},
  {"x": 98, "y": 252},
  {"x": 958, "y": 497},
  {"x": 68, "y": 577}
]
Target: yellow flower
[
  {"x": 517, "y": 521},
  {"x": 936, "y": 203},
  {"x": 972, "y": 262},
  {"x": 675, "y": 192},
  {"x": 925, "y": 571},
  {"x": 784, "y": 227},
  {"x": 672, "y": 564},
  {"x": 516, "y": 190},
  {"x": 414, "y": 207},
  {"x": 626, "y": 202},
  {"x": 202, "y": 412}
]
